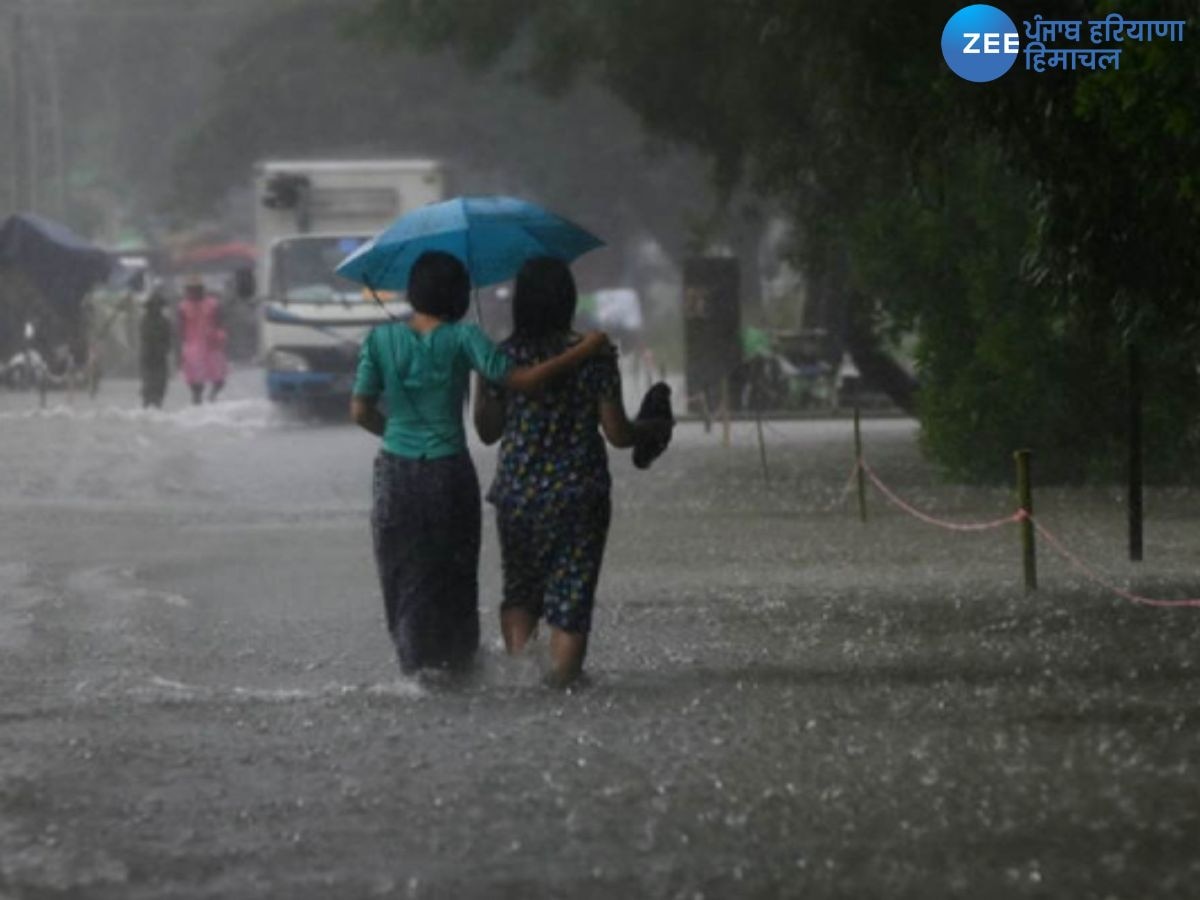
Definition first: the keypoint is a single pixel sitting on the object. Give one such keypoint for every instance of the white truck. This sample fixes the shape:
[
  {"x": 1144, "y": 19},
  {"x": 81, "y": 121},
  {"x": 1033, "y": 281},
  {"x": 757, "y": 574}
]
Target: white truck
[{"x": 310, "y": 215}]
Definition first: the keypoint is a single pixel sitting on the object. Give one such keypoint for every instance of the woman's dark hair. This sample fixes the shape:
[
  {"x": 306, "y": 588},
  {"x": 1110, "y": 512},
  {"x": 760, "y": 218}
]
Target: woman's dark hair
[
  {"x": 544, "y": 298},
  {"x": 439, "y": 286}
]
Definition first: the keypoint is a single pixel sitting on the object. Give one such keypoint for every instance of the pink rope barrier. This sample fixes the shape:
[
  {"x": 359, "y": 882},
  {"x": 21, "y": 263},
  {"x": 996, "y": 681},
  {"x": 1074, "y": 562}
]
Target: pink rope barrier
[
  {"x": 1020, "y": 516},
  {"x": 1095, "y": 577},
  {"x": 843, "y": 493},
  {"x": 932, "y": 520}
]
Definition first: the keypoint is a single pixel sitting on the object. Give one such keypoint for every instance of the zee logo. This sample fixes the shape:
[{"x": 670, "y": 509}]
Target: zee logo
[
  {"x": 991, "y": 43},
  {"x": 980, "y": 43}
]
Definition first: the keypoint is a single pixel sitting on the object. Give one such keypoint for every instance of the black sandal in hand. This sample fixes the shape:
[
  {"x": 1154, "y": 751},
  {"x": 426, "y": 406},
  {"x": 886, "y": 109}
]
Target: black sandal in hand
[{"x": 656, "y": 407}]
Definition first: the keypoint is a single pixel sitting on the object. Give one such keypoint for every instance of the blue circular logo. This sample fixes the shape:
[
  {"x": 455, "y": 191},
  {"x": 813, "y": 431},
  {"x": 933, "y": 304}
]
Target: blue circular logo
[{"x": 980, "y": 43}]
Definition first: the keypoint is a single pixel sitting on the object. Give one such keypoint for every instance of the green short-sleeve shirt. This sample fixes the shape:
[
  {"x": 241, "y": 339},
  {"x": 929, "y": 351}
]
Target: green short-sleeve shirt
[{"x": 424, "y": 379}]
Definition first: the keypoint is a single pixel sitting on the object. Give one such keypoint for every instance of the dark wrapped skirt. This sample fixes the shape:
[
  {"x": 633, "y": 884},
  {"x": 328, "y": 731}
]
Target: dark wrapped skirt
[
  {"x": 426, "y": 525},
  {"x": 154, "y": 384}
]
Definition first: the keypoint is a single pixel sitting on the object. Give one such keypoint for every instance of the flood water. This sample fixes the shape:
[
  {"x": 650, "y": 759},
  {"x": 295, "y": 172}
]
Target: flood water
[{"x": 198, "y": 699}]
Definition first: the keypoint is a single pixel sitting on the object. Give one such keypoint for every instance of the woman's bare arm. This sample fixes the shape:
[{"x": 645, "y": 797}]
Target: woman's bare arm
[
  {"x": 616, "y": 425},
  {"x": 364, "y": 411},
  {"x": 489, "y": 412},
  {"x": 621, "y": 432},
  {"x": 527, "y": 379}
]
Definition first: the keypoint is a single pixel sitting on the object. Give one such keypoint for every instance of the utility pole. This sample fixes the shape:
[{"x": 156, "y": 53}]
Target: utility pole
[
  {"x": 54, "y": 84},
  {"x": 30, "y": 65},
  {"x": 19, "y": 124}
]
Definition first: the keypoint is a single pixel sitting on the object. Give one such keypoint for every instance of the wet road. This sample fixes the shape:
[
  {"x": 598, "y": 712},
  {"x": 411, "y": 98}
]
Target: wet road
[{"x": 197, "y": 697}]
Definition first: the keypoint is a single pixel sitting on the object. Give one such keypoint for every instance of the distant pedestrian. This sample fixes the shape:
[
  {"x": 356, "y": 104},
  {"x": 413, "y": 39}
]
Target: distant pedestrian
[
  {"x": 155, "y": 350},
  {"x": 552, "y": 487},
  {"x": 426, "y": 517},
  {"x": 202, "y": 341}
]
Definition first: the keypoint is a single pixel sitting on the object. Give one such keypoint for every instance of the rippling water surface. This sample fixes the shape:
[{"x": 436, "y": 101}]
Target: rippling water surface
[{"x": 197, "y": 698}]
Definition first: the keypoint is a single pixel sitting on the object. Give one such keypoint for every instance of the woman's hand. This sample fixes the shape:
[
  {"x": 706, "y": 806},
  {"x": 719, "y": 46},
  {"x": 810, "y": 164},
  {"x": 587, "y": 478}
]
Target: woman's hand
[{"x": 595, "y": 343}]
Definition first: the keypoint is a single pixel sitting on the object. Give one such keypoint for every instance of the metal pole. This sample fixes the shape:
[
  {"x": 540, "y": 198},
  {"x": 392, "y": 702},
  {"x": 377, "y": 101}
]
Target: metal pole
[
  {"x": 13, "y": 115},
  {"x": 706, "y": 409},
  {"x": 32, "y": 121},
  {"x": 762, "y": 445},
  {"x": 1025, "y": 501},
  {"x": 725, "y": 427},
  {"x": 478, "y": 309},
  {"x": 56, "y": 115},
  {"x": 859, "y": 475},
  {"x": 20, "y": 109},
  {"x": 1135, "y": 455}
]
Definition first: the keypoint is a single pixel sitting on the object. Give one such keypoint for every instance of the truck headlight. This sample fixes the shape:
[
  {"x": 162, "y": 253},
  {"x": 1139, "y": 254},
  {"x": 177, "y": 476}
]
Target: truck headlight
[{"x": 286, "y": 361}]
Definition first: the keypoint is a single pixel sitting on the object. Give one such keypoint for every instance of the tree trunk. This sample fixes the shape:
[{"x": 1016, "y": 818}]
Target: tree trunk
[{"x": 879, "y": 371}]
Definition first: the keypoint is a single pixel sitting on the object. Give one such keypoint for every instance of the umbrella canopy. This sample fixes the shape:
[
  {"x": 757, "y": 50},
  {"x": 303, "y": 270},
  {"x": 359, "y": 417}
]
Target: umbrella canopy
[
  {"x": 61, "y": 265},
  {"x": 493, "y": 236}
]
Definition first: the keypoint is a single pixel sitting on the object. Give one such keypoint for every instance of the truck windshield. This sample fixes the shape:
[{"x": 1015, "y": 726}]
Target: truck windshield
[{"x": 303, "y": 270}]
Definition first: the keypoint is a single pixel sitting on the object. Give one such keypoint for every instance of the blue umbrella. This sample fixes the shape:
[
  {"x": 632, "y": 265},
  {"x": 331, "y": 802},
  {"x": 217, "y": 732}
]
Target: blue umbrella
[{"x": 493, "y": 236}]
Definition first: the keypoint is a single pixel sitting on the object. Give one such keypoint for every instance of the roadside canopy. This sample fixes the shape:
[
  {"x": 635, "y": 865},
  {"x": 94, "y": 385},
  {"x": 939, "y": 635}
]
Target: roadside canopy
[{"x": 59, "y": 263}]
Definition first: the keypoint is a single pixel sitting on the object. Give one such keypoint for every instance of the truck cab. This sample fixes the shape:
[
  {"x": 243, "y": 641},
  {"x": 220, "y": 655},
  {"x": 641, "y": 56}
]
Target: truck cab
[{"x": 311, "y": 215}]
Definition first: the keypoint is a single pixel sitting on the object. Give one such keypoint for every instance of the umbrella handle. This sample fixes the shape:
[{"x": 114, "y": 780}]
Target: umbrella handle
[
  {"x": 478, "y": 309},
  {"x": 387, "y": 312}
]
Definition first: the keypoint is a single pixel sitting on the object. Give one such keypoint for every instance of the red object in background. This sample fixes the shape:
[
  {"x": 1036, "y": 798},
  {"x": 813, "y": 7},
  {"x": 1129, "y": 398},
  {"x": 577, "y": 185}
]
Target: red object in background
[{"x": 227, "y": 256}]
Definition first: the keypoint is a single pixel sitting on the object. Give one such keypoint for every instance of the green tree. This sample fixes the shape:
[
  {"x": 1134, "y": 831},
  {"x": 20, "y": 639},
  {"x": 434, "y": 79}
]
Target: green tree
[
  {"x": 1030, "y": 230},
  {"x": 109, "y": 90}
]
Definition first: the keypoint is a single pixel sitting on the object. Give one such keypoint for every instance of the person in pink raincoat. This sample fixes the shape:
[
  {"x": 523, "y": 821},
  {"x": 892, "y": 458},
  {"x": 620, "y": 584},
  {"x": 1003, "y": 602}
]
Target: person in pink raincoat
[{"x": 202, "y": 341}]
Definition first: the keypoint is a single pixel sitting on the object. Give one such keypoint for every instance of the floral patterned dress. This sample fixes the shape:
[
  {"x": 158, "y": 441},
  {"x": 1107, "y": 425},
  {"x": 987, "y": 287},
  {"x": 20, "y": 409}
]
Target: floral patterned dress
[{"x": 552, "y": 487}]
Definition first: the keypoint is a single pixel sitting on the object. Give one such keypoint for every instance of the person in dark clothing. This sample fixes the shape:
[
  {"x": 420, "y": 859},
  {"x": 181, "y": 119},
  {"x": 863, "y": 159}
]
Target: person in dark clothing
[
  {"x": 552, "y": 486},
  {"x": 155, "y": 349}
]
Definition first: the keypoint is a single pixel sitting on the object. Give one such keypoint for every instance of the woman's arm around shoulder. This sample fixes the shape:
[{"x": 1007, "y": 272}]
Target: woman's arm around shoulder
[
  {"x": 493, "y": 364},
  {"x": 527, "y": 379}
]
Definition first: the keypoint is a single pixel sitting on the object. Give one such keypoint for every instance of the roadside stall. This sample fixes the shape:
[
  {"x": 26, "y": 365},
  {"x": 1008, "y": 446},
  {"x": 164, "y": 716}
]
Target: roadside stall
[{"x": 46, "y": 271}]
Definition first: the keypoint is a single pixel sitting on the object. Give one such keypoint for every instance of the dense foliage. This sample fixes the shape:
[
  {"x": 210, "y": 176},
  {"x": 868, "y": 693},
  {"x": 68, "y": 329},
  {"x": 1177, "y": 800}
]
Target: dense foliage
[{"x": 1030, "y": 230}]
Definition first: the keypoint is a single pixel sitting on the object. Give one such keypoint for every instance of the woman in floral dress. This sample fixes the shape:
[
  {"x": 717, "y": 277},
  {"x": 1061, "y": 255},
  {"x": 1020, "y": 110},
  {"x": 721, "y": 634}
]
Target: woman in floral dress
[{"x": 552, "y": 486}]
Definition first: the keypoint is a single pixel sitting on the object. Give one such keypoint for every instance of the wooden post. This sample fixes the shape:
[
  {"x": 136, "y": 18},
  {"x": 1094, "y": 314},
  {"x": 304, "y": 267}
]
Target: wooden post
[
  {"x": 859, "y": 474},
  {"x": 762, "y": 445},
  {"x": 1025, "y": 501},
  {"x": 1135, "y": 454},
  {"x": 725, "y": 427}
]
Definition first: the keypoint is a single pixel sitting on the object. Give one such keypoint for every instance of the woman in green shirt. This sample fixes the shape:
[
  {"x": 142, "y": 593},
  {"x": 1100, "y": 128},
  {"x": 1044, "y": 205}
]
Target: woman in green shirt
[{"x": 426, "y": 515}]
